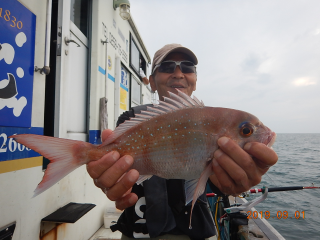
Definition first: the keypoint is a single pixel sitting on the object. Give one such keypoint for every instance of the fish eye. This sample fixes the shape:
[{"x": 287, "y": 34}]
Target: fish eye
[{"x": 246, "y": 130}]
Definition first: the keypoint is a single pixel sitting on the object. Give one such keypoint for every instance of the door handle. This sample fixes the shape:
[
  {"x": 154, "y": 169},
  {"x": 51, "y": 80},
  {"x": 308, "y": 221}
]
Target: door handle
[{"x": 67, "y": 41}]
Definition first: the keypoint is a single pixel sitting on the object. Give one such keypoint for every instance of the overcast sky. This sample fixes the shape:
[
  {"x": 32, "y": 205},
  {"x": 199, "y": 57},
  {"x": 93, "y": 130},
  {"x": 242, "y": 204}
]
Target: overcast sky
[{"x": 262, "y": 57}]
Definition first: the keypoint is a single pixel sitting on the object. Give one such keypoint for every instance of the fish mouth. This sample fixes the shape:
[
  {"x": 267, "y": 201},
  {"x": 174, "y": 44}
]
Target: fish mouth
[{"x": 271, "y": 139}]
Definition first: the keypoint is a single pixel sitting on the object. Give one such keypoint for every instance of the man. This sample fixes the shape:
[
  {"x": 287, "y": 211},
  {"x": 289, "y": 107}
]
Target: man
[{"x": 160, "y": 210}]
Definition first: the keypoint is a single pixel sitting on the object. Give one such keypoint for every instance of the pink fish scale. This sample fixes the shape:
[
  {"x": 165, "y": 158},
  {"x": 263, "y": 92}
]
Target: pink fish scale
[{"x": 169, "y": 144}]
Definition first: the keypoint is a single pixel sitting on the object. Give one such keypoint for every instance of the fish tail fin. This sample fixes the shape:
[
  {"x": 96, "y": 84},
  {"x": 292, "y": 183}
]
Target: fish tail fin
[{"x": 65, "y": 155}]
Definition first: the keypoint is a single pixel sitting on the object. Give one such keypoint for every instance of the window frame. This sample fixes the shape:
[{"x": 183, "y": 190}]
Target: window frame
[
  {"x": 134, "y": 78},
  {"x": 141, "y": 57}
]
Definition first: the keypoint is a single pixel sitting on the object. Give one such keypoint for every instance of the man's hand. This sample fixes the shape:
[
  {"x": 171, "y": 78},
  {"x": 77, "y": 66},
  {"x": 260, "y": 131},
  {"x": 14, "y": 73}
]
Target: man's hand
[
  {"x": 110, "y": 173},
  {"x": 236, "y": 169}
]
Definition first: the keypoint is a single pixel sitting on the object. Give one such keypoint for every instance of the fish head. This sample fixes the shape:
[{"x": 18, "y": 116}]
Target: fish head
[{"x": 248, "y": 128}]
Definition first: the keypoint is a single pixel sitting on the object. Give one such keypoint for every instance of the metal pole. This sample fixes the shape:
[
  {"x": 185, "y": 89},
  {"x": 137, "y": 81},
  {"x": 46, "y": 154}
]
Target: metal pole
[{"x": 46, "y": 68}]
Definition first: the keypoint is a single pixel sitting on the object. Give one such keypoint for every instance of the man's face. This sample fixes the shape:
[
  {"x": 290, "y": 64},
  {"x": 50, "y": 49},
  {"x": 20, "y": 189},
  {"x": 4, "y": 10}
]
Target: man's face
[{"x": 164, "y": 82}]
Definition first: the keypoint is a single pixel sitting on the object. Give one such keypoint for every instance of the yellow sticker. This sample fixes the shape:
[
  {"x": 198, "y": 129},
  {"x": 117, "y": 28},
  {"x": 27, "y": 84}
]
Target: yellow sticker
[
  {"x": 109, "y": 63},
  {"x": 123, "y": 99}
]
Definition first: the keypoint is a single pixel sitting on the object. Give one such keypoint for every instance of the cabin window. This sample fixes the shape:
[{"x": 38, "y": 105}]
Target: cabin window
[
  {"x": 134, "y": 57},
  {"x": 135, "y": 91},
  {"x": 137, "y": 60},
  {"x": 79, "y": 15}
]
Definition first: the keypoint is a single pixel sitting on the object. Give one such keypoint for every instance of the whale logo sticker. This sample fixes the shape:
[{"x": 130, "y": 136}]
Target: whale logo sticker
[{"x": 17, "y": 45}]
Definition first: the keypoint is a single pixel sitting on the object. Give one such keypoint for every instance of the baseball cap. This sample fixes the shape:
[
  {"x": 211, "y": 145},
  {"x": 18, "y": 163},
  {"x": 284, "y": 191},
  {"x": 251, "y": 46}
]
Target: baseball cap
[{"x": 169, "y": 48}]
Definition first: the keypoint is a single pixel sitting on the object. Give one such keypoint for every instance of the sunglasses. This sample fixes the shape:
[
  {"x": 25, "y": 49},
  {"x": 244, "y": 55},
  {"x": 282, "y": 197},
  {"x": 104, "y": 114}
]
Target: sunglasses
[{"x": 170, "y": 67}]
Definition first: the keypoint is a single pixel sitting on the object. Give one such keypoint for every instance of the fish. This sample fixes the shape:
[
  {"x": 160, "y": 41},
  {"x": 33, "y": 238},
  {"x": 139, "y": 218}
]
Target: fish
[{"x": 174, "y": 139}]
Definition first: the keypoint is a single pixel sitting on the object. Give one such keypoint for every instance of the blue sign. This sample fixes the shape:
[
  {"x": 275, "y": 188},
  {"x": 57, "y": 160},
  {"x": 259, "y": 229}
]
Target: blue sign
[
  {"x": 10, "y": 149},
  {"x": 17, "y": 44},
  {"x": 124, "y": 83}
]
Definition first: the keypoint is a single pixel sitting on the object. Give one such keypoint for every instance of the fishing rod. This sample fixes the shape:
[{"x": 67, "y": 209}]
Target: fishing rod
[{"x": 275, "y": 189}]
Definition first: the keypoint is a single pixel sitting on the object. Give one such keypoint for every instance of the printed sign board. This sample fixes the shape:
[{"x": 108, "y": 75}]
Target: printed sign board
[
  {"x": 124, "y": 85},
  {"x": 109, "y": 63},
  {"x": 10, "y": 149},
  {"x": 17, "y": 44}
]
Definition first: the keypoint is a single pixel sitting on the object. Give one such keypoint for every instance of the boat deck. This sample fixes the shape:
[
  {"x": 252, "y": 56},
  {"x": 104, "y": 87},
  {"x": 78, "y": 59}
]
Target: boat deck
[{"x": 257, "y": 229}]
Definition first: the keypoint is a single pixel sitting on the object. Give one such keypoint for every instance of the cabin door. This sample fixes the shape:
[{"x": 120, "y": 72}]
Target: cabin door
[{"x": 71, "y": 95}]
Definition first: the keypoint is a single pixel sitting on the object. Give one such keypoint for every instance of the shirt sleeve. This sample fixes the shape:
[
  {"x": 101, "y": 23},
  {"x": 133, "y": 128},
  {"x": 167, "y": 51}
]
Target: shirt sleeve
[
  {"x": 129, "y": 114},
  {"x": 142, "y": 73}
]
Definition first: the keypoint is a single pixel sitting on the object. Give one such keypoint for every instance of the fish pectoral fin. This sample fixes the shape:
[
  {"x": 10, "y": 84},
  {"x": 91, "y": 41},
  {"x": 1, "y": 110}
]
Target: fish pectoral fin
[
  {"x": 142, "y": 178},
  {"x": 200, "y": 187},
  {"x": 189, "y": 188},
  {"x": 195, "y": 187}
]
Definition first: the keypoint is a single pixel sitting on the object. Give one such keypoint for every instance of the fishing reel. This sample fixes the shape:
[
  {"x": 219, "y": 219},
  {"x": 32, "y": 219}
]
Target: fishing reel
[
  {"x": 248, "y": 205},
  {"x": 233, "y": 221}
]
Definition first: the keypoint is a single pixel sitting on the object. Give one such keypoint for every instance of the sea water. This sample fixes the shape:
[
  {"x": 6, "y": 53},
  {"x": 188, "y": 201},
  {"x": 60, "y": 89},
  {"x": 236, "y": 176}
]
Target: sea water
[{"x": 295, "y": 214}]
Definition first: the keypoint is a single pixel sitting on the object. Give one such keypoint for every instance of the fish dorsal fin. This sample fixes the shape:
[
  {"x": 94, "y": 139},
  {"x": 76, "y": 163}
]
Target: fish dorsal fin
[
  {"x": 172, "y": 103},
  {"x": 180, "y": 99}
]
